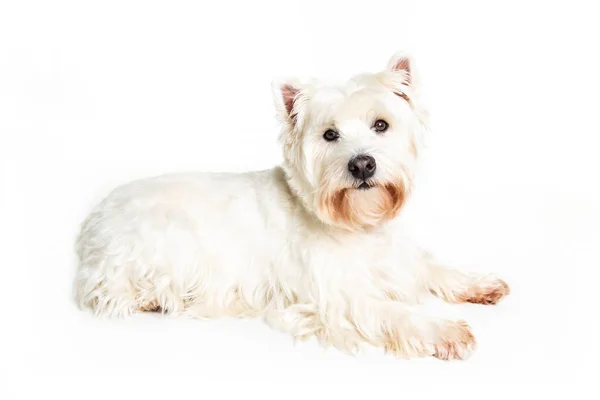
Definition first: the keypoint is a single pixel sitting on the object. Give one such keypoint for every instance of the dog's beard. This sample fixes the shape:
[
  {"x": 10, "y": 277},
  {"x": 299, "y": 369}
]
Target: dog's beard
[{"x": 359, "y": 207}]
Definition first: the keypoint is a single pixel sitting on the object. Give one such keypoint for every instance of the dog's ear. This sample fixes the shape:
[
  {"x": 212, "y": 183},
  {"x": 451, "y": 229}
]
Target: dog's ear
[
  {"x": 290, "y": 98},
  {"x": 402, "y": 65},
  {"x": 400, "y": 77}
]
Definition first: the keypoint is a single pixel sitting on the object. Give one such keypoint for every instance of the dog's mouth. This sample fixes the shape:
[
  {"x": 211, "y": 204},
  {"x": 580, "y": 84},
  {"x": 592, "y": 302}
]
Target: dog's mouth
[{"x": 364, "y": 186}]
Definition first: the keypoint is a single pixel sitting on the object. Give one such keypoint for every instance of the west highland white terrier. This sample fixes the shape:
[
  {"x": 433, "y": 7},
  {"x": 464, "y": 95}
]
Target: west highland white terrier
[{"x": 317, "y": 246}]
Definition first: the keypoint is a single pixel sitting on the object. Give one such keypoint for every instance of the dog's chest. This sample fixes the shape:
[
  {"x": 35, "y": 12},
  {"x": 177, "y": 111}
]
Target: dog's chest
[{"x": 337, "y": 264}]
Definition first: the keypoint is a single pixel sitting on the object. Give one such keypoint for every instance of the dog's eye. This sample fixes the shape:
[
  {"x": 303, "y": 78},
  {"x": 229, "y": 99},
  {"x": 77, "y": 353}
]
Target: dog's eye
[
  {"x": 380, "y": 126},
  {"x": 331, "y": 135}
]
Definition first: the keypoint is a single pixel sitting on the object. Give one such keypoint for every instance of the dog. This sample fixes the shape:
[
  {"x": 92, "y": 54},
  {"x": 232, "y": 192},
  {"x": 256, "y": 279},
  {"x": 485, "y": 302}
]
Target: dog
[{"x": 318, "y": 246}]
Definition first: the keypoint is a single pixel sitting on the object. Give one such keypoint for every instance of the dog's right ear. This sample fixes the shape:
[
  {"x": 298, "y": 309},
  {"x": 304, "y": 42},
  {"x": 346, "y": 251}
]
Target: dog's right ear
[{"x": 290, "y": 99}]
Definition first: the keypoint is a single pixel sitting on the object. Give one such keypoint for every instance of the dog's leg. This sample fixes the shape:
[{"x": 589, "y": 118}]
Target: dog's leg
[
  {"x": 395, "y": 327},
  {"x": 303, "y": 321},
  {"x": 457, "y": 287},
  {"x": 387, "y": 324},
  {"x": 105, "y": 297}
]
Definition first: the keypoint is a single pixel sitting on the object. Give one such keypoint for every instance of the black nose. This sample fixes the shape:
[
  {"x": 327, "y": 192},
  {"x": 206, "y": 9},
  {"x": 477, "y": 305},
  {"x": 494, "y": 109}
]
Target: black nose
[{"x": 362, "y": 166}]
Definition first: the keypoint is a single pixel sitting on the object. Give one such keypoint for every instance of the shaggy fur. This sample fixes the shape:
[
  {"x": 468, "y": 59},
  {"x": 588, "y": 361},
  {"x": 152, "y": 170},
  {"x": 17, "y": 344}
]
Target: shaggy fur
[{"x": 303, "y": 245}]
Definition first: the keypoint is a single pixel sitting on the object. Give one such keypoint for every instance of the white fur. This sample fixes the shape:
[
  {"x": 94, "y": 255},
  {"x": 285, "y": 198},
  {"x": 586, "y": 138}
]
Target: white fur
[{"x": 265, "y": 243}]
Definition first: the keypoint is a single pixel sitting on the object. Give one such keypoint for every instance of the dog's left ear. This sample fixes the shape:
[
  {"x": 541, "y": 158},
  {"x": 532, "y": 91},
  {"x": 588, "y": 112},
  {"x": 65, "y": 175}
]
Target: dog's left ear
[
  {"x": 400, "y": 77},
  {"x": 402, "y": 65}
]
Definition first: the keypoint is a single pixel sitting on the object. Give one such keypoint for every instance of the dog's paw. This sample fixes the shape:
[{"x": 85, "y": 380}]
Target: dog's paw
[
  {"x": 456, "y": 341},
  {"x": 488, "y": 291}
]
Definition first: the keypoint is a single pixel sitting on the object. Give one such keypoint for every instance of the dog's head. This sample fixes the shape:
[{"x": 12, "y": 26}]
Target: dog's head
[{"x": 350, "y": 152}]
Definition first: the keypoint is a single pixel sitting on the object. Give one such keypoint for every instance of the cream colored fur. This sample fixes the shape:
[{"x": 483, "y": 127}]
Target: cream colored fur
[{"x": 300, "y": 245}]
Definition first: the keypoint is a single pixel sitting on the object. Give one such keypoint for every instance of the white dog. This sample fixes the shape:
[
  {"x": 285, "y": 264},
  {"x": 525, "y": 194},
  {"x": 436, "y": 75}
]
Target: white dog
[{"x": 316, "y": 246}]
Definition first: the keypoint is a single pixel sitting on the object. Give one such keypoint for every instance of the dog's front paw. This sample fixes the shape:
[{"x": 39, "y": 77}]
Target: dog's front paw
[
  {"x": 456, "y": 341},
  {"x": 487, "y": 291}
]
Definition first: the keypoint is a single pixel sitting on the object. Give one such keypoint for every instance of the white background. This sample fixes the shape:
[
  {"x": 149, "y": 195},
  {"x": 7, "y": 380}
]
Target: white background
[{"x": 94, "y": 94}]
